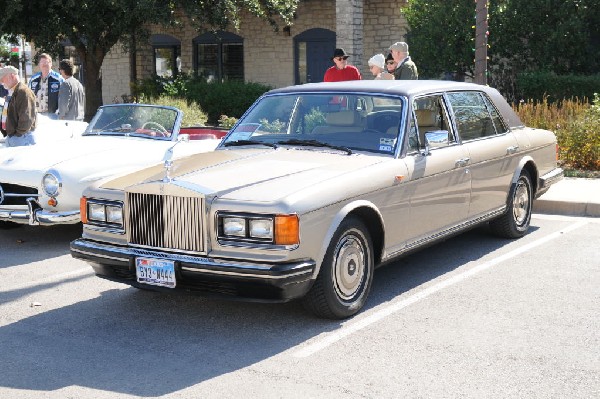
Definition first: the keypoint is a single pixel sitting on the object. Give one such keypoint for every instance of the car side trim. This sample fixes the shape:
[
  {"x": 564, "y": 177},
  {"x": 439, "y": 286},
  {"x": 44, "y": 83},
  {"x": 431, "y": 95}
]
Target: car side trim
[{"x": 413, "y": 245}]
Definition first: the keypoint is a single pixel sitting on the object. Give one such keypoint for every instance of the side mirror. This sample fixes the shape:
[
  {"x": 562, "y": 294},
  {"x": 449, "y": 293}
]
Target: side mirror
[{"x": 435, "y": 139}]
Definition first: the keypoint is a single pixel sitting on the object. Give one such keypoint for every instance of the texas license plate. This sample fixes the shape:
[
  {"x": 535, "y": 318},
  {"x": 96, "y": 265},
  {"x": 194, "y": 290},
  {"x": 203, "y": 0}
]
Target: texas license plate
[{"x": 155, "y": 272}]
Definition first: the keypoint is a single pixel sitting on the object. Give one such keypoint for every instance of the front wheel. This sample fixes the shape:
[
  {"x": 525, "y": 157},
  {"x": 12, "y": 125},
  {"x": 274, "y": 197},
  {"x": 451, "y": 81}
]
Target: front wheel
[
  {"x": 346, "y": 275},
  {"x": 515, "y": 222}
]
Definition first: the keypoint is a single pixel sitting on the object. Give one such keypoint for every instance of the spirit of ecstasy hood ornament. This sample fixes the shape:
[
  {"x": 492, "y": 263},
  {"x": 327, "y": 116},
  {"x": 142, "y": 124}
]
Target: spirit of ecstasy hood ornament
[{"x": 168, "y": 158}]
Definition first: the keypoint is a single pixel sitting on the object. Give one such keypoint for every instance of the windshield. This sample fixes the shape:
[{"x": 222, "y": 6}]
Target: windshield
[
  {"x": 134, "y": 120},
  {"x": 346, "y": 122}
]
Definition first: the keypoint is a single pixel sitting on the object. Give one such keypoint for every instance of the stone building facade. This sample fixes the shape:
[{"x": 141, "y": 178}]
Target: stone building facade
[{"x": 362, "y": 27}]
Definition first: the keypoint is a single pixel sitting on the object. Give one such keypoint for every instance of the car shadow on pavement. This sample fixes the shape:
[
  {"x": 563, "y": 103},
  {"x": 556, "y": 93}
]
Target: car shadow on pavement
[
  {"x": 27, "y": 244},
  {"x": 144, "y": 343}
]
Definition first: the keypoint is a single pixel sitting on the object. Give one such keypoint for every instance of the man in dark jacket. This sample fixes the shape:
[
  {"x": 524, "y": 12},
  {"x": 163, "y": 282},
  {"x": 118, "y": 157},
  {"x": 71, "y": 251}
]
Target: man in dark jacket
[
  {"x": 18, "y": 114},
  {"x": 45, "y": 85}
]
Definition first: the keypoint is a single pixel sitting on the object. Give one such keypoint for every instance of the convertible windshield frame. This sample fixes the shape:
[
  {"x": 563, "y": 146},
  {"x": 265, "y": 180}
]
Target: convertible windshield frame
[
  {"x": 156, "y": 122},
  {"x": 364, "y": 122}
]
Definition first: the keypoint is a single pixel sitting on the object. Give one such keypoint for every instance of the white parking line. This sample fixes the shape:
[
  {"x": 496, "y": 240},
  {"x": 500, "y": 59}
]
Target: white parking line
[{"x": 380, "y": 312}]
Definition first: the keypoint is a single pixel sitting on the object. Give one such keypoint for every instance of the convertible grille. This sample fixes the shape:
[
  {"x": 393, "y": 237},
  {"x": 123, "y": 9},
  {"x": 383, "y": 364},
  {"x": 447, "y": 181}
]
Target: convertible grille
[
  {"x": 14, "y": 194},
  {"x": 163, "y": 221}
]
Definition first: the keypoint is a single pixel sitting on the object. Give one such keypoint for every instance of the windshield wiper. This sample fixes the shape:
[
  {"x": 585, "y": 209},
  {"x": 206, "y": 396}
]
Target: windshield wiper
[
  {"x": 247, "y": 142},
  {"x": 315, "y": 143}
]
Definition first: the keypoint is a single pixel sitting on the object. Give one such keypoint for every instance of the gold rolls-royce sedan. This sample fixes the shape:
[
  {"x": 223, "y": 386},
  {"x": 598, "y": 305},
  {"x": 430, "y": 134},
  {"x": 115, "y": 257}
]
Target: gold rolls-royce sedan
[{"x": 314, "y": 187}]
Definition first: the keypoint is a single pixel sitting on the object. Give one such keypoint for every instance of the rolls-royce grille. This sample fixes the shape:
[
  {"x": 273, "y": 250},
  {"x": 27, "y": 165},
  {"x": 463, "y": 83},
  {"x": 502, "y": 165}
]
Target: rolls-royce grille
[
  {"x": 14, "y": 194},
  {"x": 163, "y": 221}
]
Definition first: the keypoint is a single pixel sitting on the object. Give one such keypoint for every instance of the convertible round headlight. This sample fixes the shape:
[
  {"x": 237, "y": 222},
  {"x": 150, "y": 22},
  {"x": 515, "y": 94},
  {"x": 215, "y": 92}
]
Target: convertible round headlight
[{"x": 51, "y": 184}]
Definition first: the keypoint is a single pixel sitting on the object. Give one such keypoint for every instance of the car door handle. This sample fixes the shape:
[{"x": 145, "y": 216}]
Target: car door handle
[
  {"x": 512, "y": 149},
  {"x": 462, "y": 162}
]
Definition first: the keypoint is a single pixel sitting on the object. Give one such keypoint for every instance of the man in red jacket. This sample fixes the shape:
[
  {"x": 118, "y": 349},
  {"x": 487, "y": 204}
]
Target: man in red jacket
[{"x": 341, "y": 70}]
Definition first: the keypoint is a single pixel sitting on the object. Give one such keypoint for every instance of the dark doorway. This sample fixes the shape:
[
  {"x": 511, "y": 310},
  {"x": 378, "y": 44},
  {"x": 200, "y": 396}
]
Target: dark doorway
[{"x": 312, "y": 55}]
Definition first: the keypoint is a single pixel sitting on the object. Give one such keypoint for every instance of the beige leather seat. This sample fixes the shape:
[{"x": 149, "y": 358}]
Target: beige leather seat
[
  {"x": 342, "y": 121},
  {"x": 427, "y": 121}
]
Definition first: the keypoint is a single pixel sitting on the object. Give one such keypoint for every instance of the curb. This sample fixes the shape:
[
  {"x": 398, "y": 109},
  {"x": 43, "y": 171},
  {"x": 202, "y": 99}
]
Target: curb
[{"x": 571, "y": 197}]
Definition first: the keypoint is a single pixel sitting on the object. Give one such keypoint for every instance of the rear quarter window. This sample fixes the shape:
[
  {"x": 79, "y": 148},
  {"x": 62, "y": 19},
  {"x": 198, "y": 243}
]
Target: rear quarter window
[{"x": 475, "y": 116}]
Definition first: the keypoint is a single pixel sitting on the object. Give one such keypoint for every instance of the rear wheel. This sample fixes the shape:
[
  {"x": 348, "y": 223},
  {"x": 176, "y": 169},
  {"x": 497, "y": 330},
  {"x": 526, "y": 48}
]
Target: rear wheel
[
  {"x": 346, "y": 275},
  {"x": 515, "y": 222}
]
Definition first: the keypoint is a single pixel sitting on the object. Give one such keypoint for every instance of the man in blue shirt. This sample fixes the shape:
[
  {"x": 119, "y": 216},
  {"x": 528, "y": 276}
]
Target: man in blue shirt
[{"x": 45, "y": 85}]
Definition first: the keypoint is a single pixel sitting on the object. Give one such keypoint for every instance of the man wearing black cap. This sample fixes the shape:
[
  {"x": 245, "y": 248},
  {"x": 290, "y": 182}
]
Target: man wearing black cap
[{"x": 341, "y": 70}]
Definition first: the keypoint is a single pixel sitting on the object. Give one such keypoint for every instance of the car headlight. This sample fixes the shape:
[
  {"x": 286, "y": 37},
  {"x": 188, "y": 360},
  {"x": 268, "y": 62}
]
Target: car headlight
[
  {"x": 261, "y": 228},
  {"x": 234, "y": 226},
  {"x": 106, "y": 213},
  {"x": 251, "y": 228},
  {"x": 114, "y": 214},
  {"x": 52, "y": 183}
]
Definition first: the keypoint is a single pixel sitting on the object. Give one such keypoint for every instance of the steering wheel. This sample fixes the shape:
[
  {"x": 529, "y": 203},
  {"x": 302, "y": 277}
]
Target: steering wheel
[
  {"x": 154, "y": 125},
  {"x": 383, "y": 120}
]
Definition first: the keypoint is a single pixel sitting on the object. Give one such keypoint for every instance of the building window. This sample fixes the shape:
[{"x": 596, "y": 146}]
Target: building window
[
  {"x": 219, "y": 56},
  {"x": 166, "y": 54}
]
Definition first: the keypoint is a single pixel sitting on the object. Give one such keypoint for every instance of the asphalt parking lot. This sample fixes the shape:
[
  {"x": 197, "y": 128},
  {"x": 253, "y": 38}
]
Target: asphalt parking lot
[{"x": 474, "y": 316}]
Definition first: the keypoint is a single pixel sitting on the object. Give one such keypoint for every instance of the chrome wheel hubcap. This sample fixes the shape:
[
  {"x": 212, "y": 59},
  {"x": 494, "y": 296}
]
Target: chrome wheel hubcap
[
  {"x": 521, "y": 203},
  {"x": 349, "y": 267}
]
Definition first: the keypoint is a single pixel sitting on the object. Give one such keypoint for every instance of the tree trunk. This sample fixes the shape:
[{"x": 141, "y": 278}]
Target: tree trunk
[{"x": 92, "y": 62}]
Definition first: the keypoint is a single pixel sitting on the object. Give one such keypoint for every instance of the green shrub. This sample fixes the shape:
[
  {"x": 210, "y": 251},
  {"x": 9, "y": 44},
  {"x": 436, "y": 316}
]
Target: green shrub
[
  {"x": 552, "y": 88},
  {"x": 227, "y": 121},
  {"x": 227, "y": 98},
  {"x": 230, "y": 98},
  {"x": 580, "y": 142},
  {"x": 192, "y": 113},
  {"x": 575, "y": 123}
]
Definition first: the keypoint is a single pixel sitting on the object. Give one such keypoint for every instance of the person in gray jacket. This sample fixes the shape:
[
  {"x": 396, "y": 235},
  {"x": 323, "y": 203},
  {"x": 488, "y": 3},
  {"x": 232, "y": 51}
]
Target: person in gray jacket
[
  {"x": 71, "y": 95},
  {"x": 406, "y": 68}
]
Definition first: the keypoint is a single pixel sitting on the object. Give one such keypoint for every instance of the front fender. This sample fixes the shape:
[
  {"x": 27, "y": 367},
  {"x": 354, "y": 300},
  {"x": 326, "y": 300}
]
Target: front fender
[{"x": 355, "y": 207}]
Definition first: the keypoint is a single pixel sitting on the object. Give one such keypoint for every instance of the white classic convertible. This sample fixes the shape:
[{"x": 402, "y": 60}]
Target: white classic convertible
[
  {"x": 51, "y": 130},
  {"x": 42, "y": 184}
]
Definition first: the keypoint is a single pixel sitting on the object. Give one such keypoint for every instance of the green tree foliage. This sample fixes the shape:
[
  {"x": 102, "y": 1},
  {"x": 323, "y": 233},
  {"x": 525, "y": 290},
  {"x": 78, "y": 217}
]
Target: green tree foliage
[
  {"x": 559, "y": 36},
  {"x": 94, "y": 27},
  {"x": 440, "y": 36}
]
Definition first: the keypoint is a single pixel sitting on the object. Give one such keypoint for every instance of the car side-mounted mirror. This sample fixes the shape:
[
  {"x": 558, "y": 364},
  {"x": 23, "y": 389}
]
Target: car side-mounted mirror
[{"x": 435, "y": 139}]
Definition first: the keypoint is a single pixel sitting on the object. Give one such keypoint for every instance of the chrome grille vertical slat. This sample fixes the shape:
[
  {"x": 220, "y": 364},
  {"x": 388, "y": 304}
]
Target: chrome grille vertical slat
[{"x": 168, "y": 222}]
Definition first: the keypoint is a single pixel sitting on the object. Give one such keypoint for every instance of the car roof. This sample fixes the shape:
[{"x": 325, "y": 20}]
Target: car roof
[
  {"x": 402, "y": 87},
  {"x": 408, "y": 88}
]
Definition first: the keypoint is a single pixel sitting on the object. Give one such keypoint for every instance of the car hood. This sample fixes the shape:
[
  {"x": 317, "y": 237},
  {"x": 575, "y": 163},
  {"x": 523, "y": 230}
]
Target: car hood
[
  {"x": 89, "y": 153},
  {"x": 258, "y": 175}
]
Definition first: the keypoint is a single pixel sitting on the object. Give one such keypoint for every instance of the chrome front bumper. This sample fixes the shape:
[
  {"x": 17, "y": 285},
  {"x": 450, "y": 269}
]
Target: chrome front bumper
[
  {"x": 36, "y": 216},
  {"x": 259, "y": 281}
]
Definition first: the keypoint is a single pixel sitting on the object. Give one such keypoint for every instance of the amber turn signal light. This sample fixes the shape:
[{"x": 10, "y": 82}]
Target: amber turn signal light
[
  {"x": 287, "y": 230},
  {"x": 83, "y": 210}
]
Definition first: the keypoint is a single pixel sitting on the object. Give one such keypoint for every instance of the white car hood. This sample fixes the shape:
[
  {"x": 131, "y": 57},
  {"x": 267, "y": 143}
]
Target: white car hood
[{"x": 79, "y": 153}]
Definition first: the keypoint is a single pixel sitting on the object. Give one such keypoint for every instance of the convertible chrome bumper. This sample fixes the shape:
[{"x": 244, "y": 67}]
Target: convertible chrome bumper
[
  {"x": 270, "y": 282},
  {"x": 36, "y": 216},
  {"x": 549, "y": 179}
]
